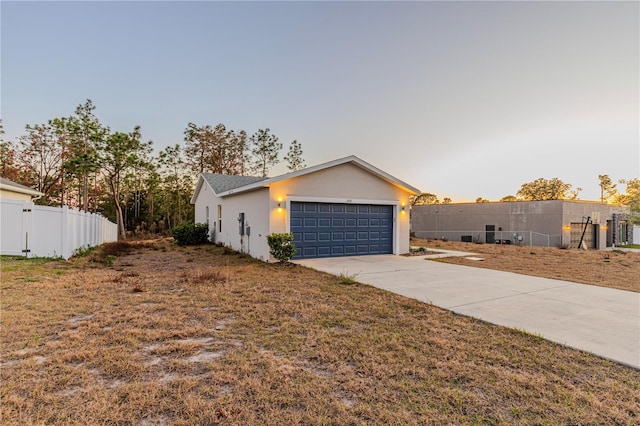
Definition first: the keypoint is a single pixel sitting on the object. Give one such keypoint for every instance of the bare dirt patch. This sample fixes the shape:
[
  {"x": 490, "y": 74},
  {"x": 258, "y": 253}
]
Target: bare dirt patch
[
  {"x": 272, "y": 345},
  {"x": 606, "y": 268}
]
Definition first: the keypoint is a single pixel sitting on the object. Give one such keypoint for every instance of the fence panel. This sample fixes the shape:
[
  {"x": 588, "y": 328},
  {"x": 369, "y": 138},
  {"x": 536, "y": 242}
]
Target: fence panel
[
  {"x": 45, "y": 233},
  {"x": 50, "y": 231},
  {"x": 13, "y": 223},
  {"x": 522, "y": 238}
]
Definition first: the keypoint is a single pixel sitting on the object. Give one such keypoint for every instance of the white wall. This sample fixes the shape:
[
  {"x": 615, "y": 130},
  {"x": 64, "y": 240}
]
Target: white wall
[
  {"x": 254, "y": 206},
  {"x": 636, "y": 234},
  {"x": 206, "y": 198},
  {"x": 50, "y": 231}
]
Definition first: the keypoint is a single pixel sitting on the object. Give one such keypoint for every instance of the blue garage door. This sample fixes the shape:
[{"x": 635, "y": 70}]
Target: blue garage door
[{"x": 333, "y": 229}]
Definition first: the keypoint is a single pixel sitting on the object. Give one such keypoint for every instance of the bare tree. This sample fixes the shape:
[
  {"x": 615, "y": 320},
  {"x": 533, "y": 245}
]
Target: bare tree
[
  {"x": 265, "y": 149},
  {"x": 294, "y": 157}
]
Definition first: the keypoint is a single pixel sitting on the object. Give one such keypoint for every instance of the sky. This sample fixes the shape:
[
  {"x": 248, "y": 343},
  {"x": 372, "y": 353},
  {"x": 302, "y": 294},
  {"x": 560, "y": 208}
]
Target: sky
[{"x": 459, "y": 99}]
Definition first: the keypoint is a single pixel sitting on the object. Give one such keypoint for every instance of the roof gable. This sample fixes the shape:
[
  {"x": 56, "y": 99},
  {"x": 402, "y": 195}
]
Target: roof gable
[
  {"x": 265, "y": 182},
  {"x": 222, "y": 183}
]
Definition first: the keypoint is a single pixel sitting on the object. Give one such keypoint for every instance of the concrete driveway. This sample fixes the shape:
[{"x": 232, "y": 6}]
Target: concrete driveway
[{"x": 603, "y": 321}]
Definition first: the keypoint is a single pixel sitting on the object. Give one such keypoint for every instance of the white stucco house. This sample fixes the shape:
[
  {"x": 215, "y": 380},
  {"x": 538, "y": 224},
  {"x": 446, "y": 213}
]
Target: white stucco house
[
  {"x": 9, "y": 190},
  {"x": 344, "y": 207}
]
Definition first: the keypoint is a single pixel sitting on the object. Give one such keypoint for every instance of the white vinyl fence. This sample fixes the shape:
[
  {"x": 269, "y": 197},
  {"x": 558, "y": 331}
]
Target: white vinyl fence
[
  {"x": 39, "y": 231},
  {"x": 636, "y": 234}
]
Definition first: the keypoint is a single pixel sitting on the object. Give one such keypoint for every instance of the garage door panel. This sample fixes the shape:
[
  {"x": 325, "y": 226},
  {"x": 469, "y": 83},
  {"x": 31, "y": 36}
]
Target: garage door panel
[
  {"x": 324, "y": 236},
  {"x": 349, "y": 250},
  {"x": 339, "y": 229},
  {"x": 310, "y": 252},
  {"x": 324, "y": 251},
  {"x": 363, "y": 249}
]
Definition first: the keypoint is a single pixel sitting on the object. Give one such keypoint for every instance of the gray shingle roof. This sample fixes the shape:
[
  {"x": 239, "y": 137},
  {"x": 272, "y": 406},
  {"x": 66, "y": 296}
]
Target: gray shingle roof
[{"x": 222, "y": 183}]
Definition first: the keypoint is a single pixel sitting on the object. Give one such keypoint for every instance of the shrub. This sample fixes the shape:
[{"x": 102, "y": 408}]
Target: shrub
[
  {"x": 116, "y": 248},
  {"x": 83, "y": 251},
  {"x": 281, "y": 246},
  {"x": 190, "y": 234}
]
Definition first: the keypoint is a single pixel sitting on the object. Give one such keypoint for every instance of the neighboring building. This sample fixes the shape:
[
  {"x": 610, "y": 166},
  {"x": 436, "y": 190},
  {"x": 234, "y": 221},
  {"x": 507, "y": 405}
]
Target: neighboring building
[
  {"x": 345, "y": 207},
  {"x": 559, "y": 223},
  {"x": 10, "y": 190}
]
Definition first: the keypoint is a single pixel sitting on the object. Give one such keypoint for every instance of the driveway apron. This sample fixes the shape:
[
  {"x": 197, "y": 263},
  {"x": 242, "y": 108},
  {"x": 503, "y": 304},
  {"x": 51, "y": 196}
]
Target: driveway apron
[{"x": 599, "y": 320}]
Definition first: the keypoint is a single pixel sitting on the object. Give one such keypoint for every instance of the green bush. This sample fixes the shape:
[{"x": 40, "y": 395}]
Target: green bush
[
  {"x": 190, "y": 234},
  {"x": 281, "y": 246}
]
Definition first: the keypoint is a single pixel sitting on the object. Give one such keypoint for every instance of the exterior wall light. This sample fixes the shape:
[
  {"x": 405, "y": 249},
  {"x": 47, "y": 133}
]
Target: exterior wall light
[{"x": 280, "y": 202}]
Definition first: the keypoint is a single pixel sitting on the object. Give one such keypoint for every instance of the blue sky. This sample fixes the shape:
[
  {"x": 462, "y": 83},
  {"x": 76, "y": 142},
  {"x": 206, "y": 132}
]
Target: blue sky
[{"x": 461, "y": 99}]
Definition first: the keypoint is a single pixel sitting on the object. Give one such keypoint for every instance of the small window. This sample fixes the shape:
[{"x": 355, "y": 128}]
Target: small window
[
  {"x": 219, "y": 217},
  {"x": 207, "y": 215}
]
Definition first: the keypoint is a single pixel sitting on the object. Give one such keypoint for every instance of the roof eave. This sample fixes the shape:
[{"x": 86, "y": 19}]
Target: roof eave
[
  {"x": 21, "y": 190},
  {"x": 196, "y": 191}
]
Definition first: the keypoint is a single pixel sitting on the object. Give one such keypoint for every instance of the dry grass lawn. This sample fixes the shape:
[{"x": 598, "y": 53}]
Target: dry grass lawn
[
  {"x": 199, "y": 335},
  {"x": 615, "y": 269}
]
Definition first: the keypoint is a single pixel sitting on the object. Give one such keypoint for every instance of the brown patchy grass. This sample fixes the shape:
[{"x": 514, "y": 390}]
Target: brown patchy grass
[
  {"x": 605, "y": 268},
  {"x": 223, "y": 339}
]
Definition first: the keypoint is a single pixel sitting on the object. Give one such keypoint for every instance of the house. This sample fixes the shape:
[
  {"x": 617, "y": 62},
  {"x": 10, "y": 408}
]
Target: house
[
  {"x": 343, "y": 207},
  {"x": 556, "y": 223},
  {"x": 10, "y": 190}
]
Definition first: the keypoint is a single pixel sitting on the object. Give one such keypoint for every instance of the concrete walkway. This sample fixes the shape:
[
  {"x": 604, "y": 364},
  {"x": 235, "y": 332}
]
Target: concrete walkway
[{"x": 603, "y": 321}]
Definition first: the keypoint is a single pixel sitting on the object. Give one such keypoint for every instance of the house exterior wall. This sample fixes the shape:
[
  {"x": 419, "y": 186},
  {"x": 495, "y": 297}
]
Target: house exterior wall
[
  {"x": 254, "y": 205},
  {"x": 12, "y": 195},
  {"x": 206, "y": 198},
  {"x": 545, "y": 223},
  {"x": 345, "y": 183}
]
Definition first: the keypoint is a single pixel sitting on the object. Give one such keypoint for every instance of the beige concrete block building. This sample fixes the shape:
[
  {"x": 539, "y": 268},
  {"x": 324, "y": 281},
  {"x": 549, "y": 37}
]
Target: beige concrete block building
[{"x": 555, "y": 223}]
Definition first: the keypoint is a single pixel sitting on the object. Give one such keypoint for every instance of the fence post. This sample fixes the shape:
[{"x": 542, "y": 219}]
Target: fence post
[
  {"x": 64, "y": 247},
  {"x": 28, "y": 209}
]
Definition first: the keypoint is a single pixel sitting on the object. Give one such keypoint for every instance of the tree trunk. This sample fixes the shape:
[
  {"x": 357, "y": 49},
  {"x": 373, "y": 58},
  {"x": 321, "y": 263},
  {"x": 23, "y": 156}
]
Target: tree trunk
[
  {"x": 85, "y": 192},
  {"x": 119, "y": 219}
]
